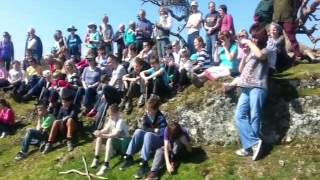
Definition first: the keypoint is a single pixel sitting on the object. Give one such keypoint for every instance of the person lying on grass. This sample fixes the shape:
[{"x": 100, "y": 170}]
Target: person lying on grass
[
  {"x": 116, "y": 134},
  {"x": 39, "y": 134}
]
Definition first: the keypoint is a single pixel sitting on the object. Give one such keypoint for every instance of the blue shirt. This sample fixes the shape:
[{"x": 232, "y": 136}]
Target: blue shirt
[
  {"x": 73, "y": 43},
  {"x": 159, "y": 122},
  {"x": 164, "y": 74},
  {"x": 145, "y": 25},
  {"x": 234, "y": 63},
  {"x": 91, "y": 76}
]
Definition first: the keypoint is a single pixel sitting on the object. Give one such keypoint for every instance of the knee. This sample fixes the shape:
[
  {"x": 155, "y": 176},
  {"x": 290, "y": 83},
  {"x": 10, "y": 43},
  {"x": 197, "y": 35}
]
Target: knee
[
  {"x": 148, "y": 137},
  {"x": 137, "y": 132},
  {"x": 70, "y": 122}
]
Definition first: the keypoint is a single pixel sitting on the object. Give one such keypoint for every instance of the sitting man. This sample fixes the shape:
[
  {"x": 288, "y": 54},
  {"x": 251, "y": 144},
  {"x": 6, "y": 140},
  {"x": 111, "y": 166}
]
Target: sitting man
[
  {"x": 39, "y": 134},
  {"x": 148, "y": 138},
  {"x": 66, "y": 122}
]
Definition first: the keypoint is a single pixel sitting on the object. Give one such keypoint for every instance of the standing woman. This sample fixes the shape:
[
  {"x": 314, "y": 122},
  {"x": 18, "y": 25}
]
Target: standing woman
[
  {"x": 6, "y": 50},
  {"x": 74, "y": 42},
  {"x": 227, "y": 20},
  {"x": 7, "y": 117}
]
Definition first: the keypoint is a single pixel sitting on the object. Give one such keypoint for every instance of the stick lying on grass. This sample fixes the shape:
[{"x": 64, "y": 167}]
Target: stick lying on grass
[{"x": 89, "y": 175}]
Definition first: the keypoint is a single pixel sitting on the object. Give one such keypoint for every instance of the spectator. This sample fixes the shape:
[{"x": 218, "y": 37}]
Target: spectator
[
  {"x": 106, "y": 31},
  {"x": 176, "y": 51},
  {"x": 74, "y": 42},
  {"x": 102, "y": 61},
  {"x": 93, "y": 38},
  {"x": 6, "y": 50},
  {"x": 203, "y": 59},
  {"x": 119, "y": 39},
  {"x": 227, "y": 20},
  {"x": 148, "y": 138},
  {"x": 170, "y": 66},
  {"x": 146, "y": 52},
  {"x": 264, "y": 11},
  {"x": 118, "y": 72},
  {"x": 72, "y": 75},
  {"x": 227, "y": 56},
  {"x": 212, "y": 24},
  {"x": 16, "y": 77},
  {"x": 60, "y": 45},
  {"x": 66, "y": 123},
  {"x": 34, "y": 44},
  {"x": 7, "y": 118},
  {"x": 116, "y": 134},
  {"x": 176, "y": 147},
  {"x": 193, "y": 25},
  {"x": 3, "y": 76},
  {"x": 163, "y": 27},
  {"x": 40, "y": 133},
  {"x": 154, "y": 80},
  {"x": 128, "y": 59},
  {"x": 130, "y": 36},
  {"x": 285, "y": 14},
  {"x": 143, "y": 29},
  {"x": 185, "y": 69},
  {"x": 253, "y": 81}
]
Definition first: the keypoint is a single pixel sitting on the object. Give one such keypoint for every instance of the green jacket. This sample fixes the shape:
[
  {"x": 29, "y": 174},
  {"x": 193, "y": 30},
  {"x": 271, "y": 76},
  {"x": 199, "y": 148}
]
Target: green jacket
[
  {"x": 264, "y": 11},
  {"x": 285, "y": 10},
  {"x": 129, "y": 37},
  {"x": 46, "y": 122}
]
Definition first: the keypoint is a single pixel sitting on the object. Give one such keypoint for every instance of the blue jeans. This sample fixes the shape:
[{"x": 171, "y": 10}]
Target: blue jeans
[
  {"x": 161, "y": 45},
  {"x": 249, "y": 115},
  {"x": 145, "y": 141},
  {"x": 211, "y": 42},
  {"x": 191, "y": 38},
  {"x": 32, "y": 134}
]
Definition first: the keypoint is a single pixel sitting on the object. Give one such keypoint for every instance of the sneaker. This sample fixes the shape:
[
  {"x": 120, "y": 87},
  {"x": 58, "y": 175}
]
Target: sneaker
[
  {"x": 256, "y": 150},
  {"x": 3, "y": 135},
  {"x": 94, "y": 163},
  {"x": 70, "y": 146},
  {"x": 21, "y": 155},
  {"x": 143, "y": 170},
  {"x": 243, "y": 153},
  {"x": 128, "y": 106},
  {"x": 102, "y": 170},
  {"x": 47, "y": 148},
  {"x": 128, "y": 161},
  {"x": 92, "y": 113},
  {"x": 141, "y": 100},
  {"x": 152, "y": 176},
  {"x": 42, "y": 146}
]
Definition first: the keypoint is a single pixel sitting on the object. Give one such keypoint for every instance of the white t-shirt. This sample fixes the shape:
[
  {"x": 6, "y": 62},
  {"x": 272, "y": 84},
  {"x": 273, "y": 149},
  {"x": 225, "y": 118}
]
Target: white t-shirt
[
  {"x": 15, "y": 75},
  {"x": 117, "y": 75},
  {"x": 32, "y": 44},
  {"x": 194, "y": 19},
  {"x": 120, "y": 127}
]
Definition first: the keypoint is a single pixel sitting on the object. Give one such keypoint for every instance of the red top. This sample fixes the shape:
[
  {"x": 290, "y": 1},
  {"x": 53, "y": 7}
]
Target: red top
[
  {"x": 60, "y": 83},
  {"x": 7, "y": 116},
  {"x": 227, "y": 24}
]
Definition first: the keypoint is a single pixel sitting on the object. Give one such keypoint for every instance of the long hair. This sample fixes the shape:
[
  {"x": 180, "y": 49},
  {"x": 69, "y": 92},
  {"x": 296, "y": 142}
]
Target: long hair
[{"x": 174, "y": 130}]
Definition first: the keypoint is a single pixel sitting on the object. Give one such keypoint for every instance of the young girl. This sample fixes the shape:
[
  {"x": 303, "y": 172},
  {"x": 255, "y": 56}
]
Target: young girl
[
  {"x": 7, "y": 117},
  {"x": 116, "y": 135}
]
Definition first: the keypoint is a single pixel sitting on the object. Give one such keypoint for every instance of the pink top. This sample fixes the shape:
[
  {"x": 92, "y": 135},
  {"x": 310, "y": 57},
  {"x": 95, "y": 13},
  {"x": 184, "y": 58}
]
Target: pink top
[
  {"x": 7, "y": 116},
  {"x": 227, "y": 24}
]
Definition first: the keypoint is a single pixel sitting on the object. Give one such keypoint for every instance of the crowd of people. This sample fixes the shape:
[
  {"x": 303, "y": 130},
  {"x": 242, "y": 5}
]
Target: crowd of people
[{"x": 102, "y": 82}]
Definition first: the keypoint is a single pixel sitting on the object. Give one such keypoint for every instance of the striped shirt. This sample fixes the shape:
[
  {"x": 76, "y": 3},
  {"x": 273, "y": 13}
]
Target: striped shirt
[{"x": 204, "y": 59}]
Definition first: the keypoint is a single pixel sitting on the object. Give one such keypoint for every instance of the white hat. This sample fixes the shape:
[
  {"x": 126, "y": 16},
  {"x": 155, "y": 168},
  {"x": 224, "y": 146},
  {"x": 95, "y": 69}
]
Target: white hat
[
  {"x": 92, "y": 25},
  {"x": 194, "y": 3}
]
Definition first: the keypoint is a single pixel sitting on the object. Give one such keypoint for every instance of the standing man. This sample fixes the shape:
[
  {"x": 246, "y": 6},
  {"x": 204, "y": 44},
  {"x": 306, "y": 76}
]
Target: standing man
[
  {"x": 106, "y": 31},
  {"x": 163, "y": 31},
  {"x": 143, "y": 30},
  {"x": 285, "y": 14},
  {"x": 193, "y": 25},
  {"x": 34, "y": 45},
  {"x": 74, "y": 42},
  {"x": 212, "y": 26},
  {"x": 119, "y": 39}
]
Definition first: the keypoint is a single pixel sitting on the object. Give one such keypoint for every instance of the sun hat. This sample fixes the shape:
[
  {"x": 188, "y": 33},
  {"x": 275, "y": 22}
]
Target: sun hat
[{"x": 71, "y": 28}]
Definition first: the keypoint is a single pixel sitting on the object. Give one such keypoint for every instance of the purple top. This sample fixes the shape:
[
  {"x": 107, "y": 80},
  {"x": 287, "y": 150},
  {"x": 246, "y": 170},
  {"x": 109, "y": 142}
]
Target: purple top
[{"x": 6, "y": 50}]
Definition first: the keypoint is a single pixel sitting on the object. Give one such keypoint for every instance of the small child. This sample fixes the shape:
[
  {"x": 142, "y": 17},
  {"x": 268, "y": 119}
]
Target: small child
[
  {"x": 7, "y": 118},
  {"x": 40, "y": 133},
  {"x": 116, "y": 134}
]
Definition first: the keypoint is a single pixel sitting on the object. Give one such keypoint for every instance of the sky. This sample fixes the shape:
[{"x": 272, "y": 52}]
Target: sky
[{"x": 46, "y": 16}]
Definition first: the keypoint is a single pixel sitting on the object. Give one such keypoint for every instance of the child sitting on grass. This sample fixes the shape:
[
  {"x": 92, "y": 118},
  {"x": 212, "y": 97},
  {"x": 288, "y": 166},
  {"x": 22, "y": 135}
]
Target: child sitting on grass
[
  {"x": 7, "y": 118},
  {"x": 116, "y": 134},
  {"x": 40, "y": 133}
]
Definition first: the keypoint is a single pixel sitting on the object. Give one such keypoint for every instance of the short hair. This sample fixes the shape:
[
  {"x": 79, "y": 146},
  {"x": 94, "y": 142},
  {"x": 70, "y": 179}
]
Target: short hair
[
  {"x": 154, "y": 60},
  {"x": 139, "y": 61},
  {"x": 258, "y": 31},
  {"x": 154, "y": 102},
  {"x": 226, "y": 34},
  {"x": 223, "y": 7},
  {"x": 211, "y": 2},
  {"x": 101, "y": 49},
  {"x": 200, "y": 39},
  {"x": 104, "y": 78},
  {"x": 277, "y": 26},
  {"x": 114, "y": 58}
]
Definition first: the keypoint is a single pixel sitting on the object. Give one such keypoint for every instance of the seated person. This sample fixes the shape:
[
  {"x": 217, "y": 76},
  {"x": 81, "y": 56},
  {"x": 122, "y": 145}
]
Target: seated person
[
  {"x": 102, "y": 61},
  {"x": 16, "y": 77},
  {"x": 118, "y": 71},
  {"x": 132, "y": 86},
  {"x": 3, "y": 75},
  {"x": 203, "y": 58},
  {"x": 154, "y": 80},
  {"x": 7, "y": 118},
  {"x": 185, "y": 68},
  {"x": 66, "y": 123},
  {"x": 170, "y": 66},
  {"x": 176, "y": 146},
  {"x": 116, "y": 134},
  {"x": 146, "y": 52},
  {"x": 40, "y": 133},
  {"x": 226, "y": 54},
  {"x": 148, "y": 138}
]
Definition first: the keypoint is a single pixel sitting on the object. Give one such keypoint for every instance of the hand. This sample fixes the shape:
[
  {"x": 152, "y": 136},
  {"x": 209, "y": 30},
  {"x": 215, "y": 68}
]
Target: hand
[
  {"x": 156, "y": 130},
  {"x": 170, "y": 168},
  {"x": 96, "y": 133}
]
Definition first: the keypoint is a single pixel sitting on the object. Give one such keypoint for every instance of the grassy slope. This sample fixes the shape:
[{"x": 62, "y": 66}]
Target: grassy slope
[{"x": 301, "y": 159}]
